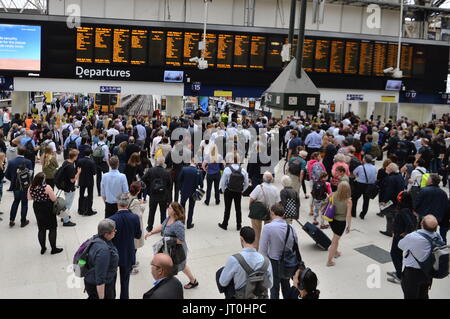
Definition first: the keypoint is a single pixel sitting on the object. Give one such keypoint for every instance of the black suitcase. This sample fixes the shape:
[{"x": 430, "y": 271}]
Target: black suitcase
[{"x": 317, "y": 235}]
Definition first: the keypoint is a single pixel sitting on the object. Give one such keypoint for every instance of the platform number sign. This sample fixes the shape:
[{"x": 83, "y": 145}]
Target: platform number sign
[{"x": 196, "y": 86}]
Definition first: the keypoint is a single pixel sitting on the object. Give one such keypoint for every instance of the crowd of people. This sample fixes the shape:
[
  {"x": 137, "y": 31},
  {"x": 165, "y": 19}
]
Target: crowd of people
[{"x": 165, "y": 160}]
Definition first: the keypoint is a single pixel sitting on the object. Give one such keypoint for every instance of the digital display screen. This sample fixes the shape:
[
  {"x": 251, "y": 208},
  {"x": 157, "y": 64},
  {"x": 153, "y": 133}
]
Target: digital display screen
[
  {"x": 225, "y": 51},
  {"x": 191, "y": 40},
  {"x": 241, "y": 51},
  {"x": 211, "y": 49},
  {"x": 322, "y": 55},
  {"x": 365, "y": 58},
  {"x": 379, "y": 59},
  {"x": 173, "y": 76},
  {"x": 308, "y": 54},
  {"x": 257, "y": 52},
  {"x": 274, "y": 47},
  {"x": 392, "y": 56},
  {"x": 174, "y": 48},
  {"x": 103, "y": 45},
  {"x": 419, "y": 61},
  {"x": 20, "y": 47},
  {"x": 393, "y": 85},
  {"x": 157, "y": 48},
  {"x": 406, "y": 60},
  {"x": 139, "y": 47},
  {"x": 351, "y": 57},
  {"x": 85, "y": 45},
  {"x": 121, "y": 46},
  {"x": 337, "y": 57}
]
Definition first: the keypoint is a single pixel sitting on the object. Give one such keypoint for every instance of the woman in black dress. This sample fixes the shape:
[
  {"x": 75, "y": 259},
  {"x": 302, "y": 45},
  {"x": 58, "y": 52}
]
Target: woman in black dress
[{"x": 43, "y": 198}]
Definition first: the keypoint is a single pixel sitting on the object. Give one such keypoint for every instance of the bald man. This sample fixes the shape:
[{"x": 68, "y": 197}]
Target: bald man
[
  {"x": 166, "y": 285},
  {"x": 416, "y": 247}
]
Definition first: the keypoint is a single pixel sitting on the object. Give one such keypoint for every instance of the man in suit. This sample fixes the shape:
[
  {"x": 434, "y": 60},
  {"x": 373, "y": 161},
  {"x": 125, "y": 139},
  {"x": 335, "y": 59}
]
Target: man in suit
[
  {"x": 20, "y": 195},
  {"x": 128, "y": 229},
  {"x": 189, "y": 180},
  {"x": 166, "y": 285},
  {"x": 121, "y": 137},
  {"x": 132, "y": 147},
  {"x": 86, "y": 182},
  {"x": 159, "y": 187}
]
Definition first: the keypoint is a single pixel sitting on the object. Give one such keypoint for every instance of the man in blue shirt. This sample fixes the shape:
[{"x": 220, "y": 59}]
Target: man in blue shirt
[
  {"x": 293, "y": 144},
  {"x": 30, "y": 147},
  {"x": 365, "y": 175},
  {"x": 72, "y": 141},
  {"x": 313, "y": 141},
  {"x": 140, "y": 134},
  {"x": 113, "y": 185}
]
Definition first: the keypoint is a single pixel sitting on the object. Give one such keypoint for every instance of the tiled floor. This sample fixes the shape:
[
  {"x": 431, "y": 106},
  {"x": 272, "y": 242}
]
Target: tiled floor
[{"x": 27, "y": 274}]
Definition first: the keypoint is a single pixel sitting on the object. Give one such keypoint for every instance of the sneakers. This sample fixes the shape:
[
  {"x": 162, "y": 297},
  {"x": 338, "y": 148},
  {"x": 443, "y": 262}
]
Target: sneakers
[
  {"x": 391, "y": 273},
  {"x": 69, "y": 224},
  {"x": 394, "y": 279},
  {"x": 23, "y": 224}
]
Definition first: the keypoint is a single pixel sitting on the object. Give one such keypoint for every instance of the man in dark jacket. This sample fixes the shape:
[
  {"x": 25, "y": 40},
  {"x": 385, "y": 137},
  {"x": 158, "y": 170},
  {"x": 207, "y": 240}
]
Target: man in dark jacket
[
  {"x": 166, "y": 285},
  {"x": 128, "y": 229},
  {"x": 434, "y": 201},
  {"x": 121, "y": 137},
  {"x": 86, "y": 182},
  {"x": 175, "y": 161},
  {"x": 20, "y": 195},
  {"x": 189, "y": 180},
  {"x": 393, "y": 185},
  {"x": 159, "y": 187},
  {"x": 132, "y": 147}
]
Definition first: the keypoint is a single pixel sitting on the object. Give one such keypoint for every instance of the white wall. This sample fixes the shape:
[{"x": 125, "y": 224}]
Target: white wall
[
  {"x": 341, "y": 94},
  {"x": 416, "y": 112}
]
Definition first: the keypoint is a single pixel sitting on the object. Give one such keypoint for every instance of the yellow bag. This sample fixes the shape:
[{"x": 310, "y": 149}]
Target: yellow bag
[{"x": 159, "y": 153}]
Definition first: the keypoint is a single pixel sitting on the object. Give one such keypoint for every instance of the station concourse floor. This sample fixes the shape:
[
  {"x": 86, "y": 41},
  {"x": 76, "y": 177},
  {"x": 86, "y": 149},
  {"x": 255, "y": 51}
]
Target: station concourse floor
[{"x": 26, "y": 274}]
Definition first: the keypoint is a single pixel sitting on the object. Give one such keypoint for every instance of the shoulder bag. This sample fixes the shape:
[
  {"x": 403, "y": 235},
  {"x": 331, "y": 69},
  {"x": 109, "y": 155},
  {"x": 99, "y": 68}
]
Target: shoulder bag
[
  {"x": 290, "y": 258},
  {"x": 259, "y": 210}
]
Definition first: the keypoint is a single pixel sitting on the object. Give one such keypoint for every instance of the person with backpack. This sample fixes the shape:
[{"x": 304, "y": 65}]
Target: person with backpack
[
  {"x": 19, "y": 173},
  {"x": 66, "y": 129},
  {"x": 405, "y": 222},
  {"x": 43, "y": 198},
  {"x": 365, "y": 176},
  {"x": 297, "y": 170},
  {"x": 30, "y": 147},
  {"x": 100, "y": 155},
  {"x": 159, "y": 188},
  {"x": 320, "y": 191},
  {"x": 73, "y": 142},
  {"x": 102, "y": 262},
  {"x": 278, "y": 241},
  {"x": 248, "y": 274},
  {"x": 418, "y": 247},
  {"x": 314, "y": 168},
  {"x": 86, "y": 183},
  {"x": 233, "y": 182}
]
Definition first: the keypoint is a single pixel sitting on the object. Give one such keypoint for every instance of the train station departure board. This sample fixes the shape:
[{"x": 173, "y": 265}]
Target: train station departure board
[
  {"x": 156, "y": 48},
  {"x": 406, "y": 60},
  {"x": 419, "y": 61},
  {"x": 191, "y": 40},
  {"x": 274, "y": 47},
  {"x": 121, "y": 46},
  {"x": 257, "y": 52},
  {"x": 225, "y": 51},
  {"x": 103, "y": 45},
  {"x": 85, "y": 45},
  {"x": 241, "y": 51},
  {"x": 322, "y": 56},
  {"x": 392, "y": 56},
  {"x": 174, "y": 48},
  {"x": 337, "y": 56},
  {"x": 379, "y": 58},
  {"x": 365, "y": 58},
  {"x": 351, "y": 57},
  {"x": 211, "y": 49},
  {"x": 308, "y": 54},
  {"x": 139, "y": 47}
]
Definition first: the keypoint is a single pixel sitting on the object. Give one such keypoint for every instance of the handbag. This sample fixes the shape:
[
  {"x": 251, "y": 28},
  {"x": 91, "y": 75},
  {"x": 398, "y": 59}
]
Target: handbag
[
  {"x": 372, "y": 189},
  {"x": 259, "y": 210},
  {"x": 329, "y": 210},
  {"x": 60, "y": 204},
  {"x": 289, "y": 259}
]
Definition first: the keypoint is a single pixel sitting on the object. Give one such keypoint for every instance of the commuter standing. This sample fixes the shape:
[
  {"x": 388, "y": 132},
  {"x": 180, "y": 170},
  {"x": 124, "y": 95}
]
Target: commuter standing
[
  {"x": 313, "y": 141},
  {"x": 189, "y": 180},
  {"x": 365, "y": 175},
  {"x": 86, "y": 183},
  {"x": 113, "y": 185},
  {"x": 49, "y": 166},
  {"x": 69, "y": 176},
  {"x": 213, "y": 164},
  {"x": 128, "y": 228},
  {"x": 100, "y": 154},
  {"x": 72, "y": 142}
]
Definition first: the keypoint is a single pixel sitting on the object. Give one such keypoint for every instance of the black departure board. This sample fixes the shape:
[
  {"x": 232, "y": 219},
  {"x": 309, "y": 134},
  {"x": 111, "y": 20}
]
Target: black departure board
[
  {"x": 308, "y": 55},
  {"x": 139, "y": 47},
  {"x": 174, "y": 48},
  {"x": 392, "y": 56},
  {"x": 103, "y": 45},
  {"x": 337, "y": 56},
  {"x": 191, "y": 40},
  {"x": 365, "y": 58},
  {"x": 274, "y": 47},
  {"x": 121, "y": 46},
  {"x": 257, "y": 52},
  {"x": 321, "y": 61},
  {"x": 156, "y": 48},
  {"x": 225, "y": 51},
  {"x": 379, "y": 58},
  {"x": 211, "y": 49},
  {"x": 241, "y": 51},
  {"x": 419, "y": 61},
  {"x": 85, "y": 45},
  {"x": 351, "y": 57},
  {"x": 406, "y": 60}
]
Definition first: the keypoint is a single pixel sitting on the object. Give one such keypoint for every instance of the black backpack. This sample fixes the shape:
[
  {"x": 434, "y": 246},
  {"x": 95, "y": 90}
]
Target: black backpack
[
  {"x": 72, "y": 143},
  {"x": 30, "y": 153},
  {"x": 236, "y": 181},
  {"x": 59, "y": 178},
  {"x": 354, "y": 163},
  {"x": 23, "y": 179},
  {"x": 65, "y": 133},
  {"x": 158, "y": 186},
  {"x": 319, "y": 190}
]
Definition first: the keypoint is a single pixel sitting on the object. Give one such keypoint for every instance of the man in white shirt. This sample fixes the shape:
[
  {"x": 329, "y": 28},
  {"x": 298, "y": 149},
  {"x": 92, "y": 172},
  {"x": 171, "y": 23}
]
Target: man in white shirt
[
  {"x": 346, "y": 122},
  {"x": 6, "y": 121},
  {"x": 111, "y": 133}
]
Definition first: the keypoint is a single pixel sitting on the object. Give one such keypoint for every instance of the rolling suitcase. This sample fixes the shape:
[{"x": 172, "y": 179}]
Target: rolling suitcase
[{"x": 317, "y": 235}]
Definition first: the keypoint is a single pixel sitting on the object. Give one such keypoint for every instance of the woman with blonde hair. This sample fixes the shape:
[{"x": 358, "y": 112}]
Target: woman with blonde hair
[
  {"x": 173, "y": 226},
  {"x": 122, "y": 155},
  {"x": 49, "y": 166},
  {"x": 212, "y": 165},
  {"x": 342, "y": 219}
]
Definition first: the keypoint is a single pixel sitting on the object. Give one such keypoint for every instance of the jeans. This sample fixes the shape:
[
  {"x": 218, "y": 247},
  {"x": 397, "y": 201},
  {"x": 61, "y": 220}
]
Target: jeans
[
  {"x": 152, "y": 211},
  {"x": 285, "y": 285},
  {"x": 125, "y": 272},
  {"x": 229, "y": 196},
  {"x": 191, "y": 208},
  {"x": 360, "y": 189},
  {"x": 69, "y": 196},
  {"x": 210, "y": 179},
  {"x": 19, "y": 197}
]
